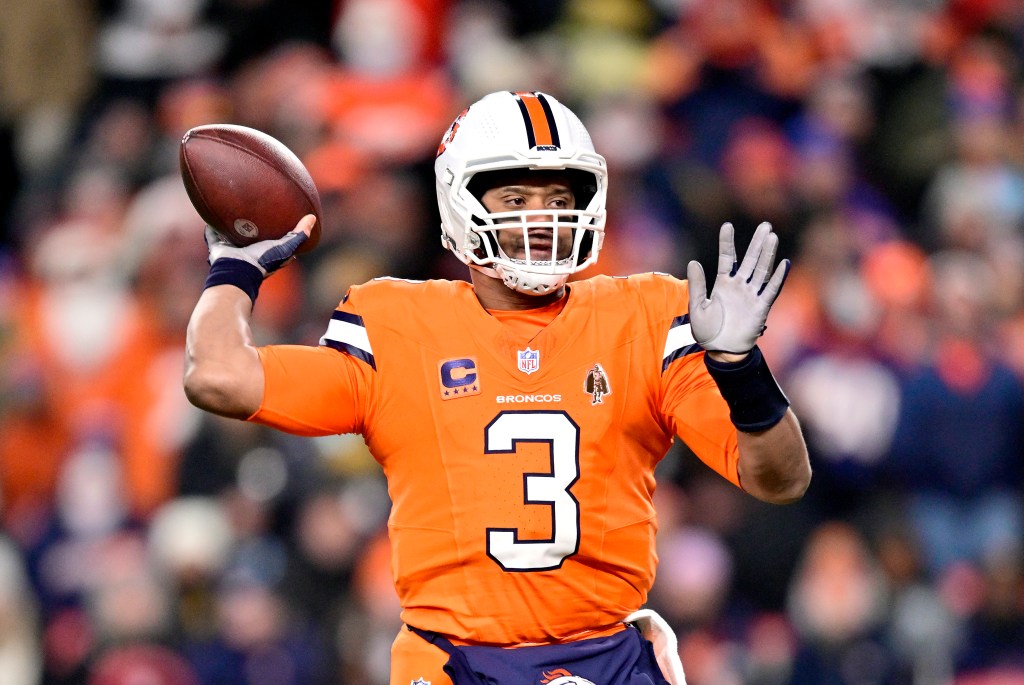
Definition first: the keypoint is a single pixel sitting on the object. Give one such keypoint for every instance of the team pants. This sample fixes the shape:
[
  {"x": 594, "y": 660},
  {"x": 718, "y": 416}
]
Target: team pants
[{"x": 624, "y": 658}]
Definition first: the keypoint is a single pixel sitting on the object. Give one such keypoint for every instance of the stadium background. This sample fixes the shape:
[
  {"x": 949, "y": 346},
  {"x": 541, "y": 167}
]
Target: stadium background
[{"x": 144, "y": 542}]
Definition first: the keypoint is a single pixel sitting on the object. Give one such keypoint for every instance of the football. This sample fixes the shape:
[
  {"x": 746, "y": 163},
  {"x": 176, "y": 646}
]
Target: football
[{"x": 246, "y": 184}]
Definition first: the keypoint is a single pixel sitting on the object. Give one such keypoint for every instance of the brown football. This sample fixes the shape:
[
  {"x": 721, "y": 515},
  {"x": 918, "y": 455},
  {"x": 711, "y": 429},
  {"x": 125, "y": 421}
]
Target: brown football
[{"x": 246, "y": 184}]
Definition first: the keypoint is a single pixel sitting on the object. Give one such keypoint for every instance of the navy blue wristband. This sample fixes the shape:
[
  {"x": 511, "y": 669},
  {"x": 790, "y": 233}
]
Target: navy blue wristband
[
  {"x": 241, "y": 274},
  {"x": 756, "y": 402}
]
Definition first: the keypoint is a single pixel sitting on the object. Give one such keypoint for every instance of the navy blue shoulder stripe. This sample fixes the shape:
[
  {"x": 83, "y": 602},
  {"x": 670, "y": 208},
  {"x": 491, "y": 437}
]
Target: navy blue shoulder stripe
[
  {"x": 679, "y": 342},
  {"x": 347, "y": 333}
]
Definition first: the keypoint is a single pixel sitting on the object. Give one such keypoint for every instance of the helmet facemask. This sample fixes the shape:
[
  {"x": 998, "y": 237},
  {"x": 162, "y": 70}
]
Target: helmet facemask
[{"x": 533, "y": 251}]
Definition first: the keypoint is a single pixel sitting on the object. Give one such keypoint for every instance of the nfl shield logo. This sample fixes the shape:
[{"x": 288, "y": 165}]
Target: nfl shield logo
[{"x": 529, "y": 360}]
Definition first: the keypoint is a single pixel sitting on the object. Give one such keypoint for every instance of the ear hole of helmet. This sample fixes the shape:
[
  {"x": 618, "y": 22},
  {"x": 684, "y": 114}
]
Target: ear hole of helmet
[
  {"x": 586, "y": 245},
  {"x": 491, "y": 241},
  {"x": 483, "y": 244}
]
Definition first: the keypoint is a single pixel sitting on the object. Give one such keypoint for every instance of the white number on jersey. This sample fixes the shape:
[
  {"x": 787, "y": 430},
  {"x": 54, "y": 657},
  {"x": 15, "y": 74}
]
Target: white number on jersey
[{"x": 562, "y": 437}]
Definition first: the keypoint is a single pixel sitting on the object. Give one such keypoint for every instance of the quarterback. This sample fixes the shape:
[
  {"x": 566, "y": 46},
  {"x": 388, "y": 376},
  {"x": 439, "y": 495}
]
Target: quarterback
[{"x": 519, "y": 417}]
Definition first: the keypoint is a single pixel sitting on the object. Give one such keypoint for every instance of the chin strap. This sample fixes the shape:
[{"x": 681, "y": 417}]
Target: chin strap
[{"x": 530, "y": 284}]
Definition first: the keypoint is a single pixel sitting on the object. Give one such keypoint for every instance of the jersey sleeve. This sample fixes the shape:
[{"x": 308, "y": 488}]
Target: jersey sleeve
[
  {"x": 321, "y": 390},
  {"x": 692, "y": 404},
  {"x": 311, "y": 390}
]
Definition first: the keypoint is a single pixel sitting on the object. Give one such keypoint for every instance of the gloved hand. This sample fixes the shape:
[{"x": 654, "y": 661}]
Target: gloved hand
[
  {"x": 734, "y": 316},
  {"x": 267, "y": 255}
]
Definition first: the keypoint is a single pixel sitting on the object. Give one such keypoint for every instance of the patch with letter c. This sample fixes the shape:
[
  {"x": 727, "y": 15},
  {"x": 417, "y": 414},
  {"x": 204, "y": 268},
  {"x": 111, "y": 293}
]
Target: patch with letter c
[{"x": 459, "y": 378}]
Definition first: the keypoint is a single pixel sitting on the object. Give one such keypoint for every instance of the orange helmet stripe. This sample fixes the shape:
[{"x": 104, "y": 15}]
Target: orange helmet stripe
[{"x": 540, "y": 121}]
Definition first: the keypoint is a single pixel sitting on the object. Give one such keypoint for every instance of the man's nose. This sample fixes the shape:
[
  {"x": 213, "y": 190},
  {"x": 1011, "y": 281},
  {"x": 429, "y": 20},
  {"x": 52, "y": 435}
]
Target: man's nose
[{"x": 537, "y": 211}]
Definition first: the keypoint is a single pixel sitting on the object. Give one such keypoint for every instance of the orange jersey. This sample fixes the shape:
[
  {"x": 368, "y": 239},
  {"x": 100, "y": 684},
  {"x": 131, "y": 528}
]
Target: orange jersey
[{"x": 520, "y": 469}]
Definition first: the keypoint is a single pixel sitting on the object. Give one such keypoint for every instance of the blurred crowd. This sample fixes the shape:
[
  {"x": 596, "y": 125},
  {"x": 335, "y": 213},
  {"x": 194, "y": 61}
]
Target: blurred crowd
[{"x": 144, "y": 542}]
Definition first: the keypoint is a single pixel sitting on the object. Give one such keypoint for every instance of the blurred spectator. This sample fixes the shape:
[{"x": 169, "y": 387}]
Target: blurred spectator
[
  {"x": 256, "y": 641},
  {"x": 118, "y": 141},
  {"x": 486, "y": 52},
  {"x": 85, "y": 563},
  {"x": 127, "y": 601},
  {"x": 978, "y": 195},
  {"x": 995, "y": 631},
  {"x": 21, "y": 654},
  {"x": 629, "y": 129},
  {"x": 45, "y": 76},
  {"x": 255, "y": 27},
  {"x": 602, "y": 47},
  {"x": 367, "y": 629},
  {"x": 757, "y": 168},
  {"x": 696, "y": 573},
  {"x": 387, "y": 97},
  {"x": 837, "y": 604},
  {"x": 265, "y": 94},
  {"x": 959, "y": 436},
  {"x": 898, "y": 276},
  {"x": 903, "y": 51},
  {"x": 190, "y": 541},
  {"x": 846, "y": 389},
  {"x": 923, "y": 630},
  {"x": 708, "y": 70},
  {"x": 149, "y": 664},
  {"x": 147, "y": 43}
]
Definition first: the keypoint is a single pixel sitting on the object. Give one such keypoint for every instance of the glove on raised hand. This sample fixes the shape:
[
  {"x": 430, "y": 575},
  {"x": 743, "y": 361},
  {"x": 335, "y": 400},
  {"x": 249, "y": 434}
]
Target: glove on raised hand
[
  {"x": 734, "y": 316},
  {"x": 267, "y": 255}
]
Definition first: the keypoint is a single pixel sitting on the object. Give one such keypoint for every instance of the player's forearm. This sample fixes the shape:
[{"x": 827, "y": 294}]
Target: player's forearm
[
  {"x": 773, "y": 464},
  {"x": 223, "y": 374}
]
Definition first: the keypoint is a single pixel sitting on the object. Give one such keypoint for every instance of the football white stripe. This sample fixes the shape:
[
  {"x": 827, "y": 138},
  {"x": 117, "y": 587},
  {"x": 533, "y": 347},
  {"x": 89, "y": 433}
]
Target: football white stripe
[
  {"x": 678, "y": 338},
  {"x": 347, "y": 333}
]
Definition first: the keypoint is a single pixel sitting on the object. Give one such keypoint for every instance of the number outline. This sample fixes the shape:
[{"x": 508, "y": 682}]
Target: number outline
[{"x": 550, "y": 475}]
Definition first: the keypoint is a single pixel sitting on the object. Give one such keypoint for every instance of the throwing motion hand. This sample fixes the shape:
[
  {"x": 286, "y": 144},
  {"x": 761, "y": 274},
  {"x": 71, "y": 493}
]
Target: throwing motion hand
[{"x": 267, "y": 255}]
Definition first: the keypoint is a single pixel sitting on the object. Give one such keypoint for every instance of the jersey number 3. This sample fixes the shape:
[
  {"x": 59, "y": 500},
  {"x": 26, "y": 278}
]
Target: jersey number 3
[{"x": 561, "y": 434}]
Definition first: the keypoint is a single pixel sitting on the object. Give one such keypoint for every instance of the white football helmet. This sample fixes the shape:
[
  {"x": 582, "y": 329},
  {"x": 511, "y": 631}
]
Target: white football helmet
[{"x": 508, "y": 131}]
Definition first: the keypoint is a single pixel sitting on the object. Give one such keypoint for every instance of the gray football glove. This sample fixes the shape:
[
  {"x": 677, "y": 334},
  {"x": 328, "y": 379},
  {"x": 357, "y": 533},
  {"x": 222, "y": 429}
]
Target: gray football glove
[
  {"x": 733, "y": 318},
  {"x": 267, "y": 255}
]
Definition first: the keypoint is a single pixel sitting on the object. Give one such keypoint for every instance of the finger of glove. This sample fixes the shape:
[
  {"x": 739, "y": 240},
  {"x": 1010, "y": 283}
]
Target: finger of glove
[
  {"x": 726, "y": 249},
  {"x": 275, "y": 257},
  {"x": 706, "y": 320},
  {"x": 765, "y": 261},
  {"x": 697, "y": 283},
  {"x": 753, "y": 253},
  {"x": 774, "y": 286},
  {"x": 212, "y": 237},
  {"x": 219, "y": 248}
]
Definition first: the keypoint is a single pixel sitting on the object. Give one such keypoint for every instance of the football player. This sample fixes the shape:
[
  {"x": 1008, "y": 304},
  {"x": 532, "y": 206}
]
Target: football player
[{"x": 522, "y": 525}]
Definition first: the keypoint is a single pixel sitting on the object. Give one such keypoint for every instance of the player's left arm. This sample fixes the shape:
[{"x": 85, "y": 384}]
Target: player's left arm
[{"x": 773, "y": 462}]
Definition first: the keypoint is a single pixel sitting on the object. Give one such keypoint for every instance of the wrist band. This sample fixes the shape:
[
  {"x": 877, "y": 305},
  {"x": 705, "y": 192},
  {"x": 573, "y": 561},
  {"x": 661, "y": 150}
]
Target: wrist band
[
  {"x": 756, "y": 402},
  {"x": 241, "y": 274}
]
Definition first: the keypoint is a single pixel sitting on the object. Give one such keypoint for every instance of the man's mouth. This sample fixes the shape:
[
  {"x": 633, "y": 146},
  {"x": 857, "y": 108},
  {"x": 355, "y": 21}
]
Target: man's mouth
[
  {"x": 540, "y": 250},
  {"x": 541, "y": 243}
]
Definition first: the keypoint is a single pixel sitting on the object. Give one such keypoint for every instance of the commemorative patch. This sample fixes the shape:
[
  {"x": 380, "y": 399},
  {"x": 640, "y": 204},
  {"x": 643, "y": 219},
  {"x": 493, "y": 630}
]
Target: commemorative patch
[{"x": 597, "y": 385}]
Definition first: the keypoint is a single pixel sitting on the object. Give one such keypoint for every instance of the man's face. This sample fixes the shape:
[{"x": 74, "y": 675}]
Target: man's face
[{"x": 528, "y": 191}]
